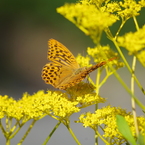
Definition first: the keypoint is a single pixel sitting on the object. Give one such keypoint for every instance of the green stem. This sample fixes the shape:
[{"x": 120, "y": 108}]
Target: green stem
[
  {"x": 91, "y": 81},
  {"x": 7, "y": 132},
  {"x": 121, "y": 26},
  {"x": 98, "y": 134},
  {"x": 27, "y": 132},
  {"x": 7, "y": 124},
  {"x": 98, "y": 81},
  {"x": 7, "y": 142},
  {"x": 17, "y": 130},
  {"x": 73, "y": 135},
  {"x": 127, "y": 89},
  {"x": 105, "y": 78},
  {"x": 51, "y": 133},
  {"x": 132, "y": 86},
  {"x": 136, "y": 24},
  {"x": 110, "y": 36},
  {"x": 96, "y": 105},
  {"x": 127, "y": 65},
  {"x": 132, "y": 100},
  {"x": 13, "y": 128},
  {"x": 1, "y": 126}
]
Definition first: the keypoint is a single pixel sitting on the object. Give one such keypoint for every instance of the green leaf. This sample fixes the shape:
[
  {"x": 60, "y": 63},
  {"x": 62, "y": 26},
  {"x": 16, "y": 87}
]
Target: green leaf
[
  {"x": 124, "y": 129},
  {"x": 141, "y": 139}
]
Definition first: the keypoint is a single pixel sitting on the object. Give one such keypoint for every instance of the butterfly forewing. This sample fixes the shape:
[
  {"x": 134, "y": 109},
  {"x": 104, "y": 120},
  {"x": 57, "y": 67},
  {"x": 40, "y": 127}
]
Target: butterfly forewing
[
  {"x": 63, "y": 71},
  {"x": 58, "y": 53},
  {"x": 62, "y": 66}
]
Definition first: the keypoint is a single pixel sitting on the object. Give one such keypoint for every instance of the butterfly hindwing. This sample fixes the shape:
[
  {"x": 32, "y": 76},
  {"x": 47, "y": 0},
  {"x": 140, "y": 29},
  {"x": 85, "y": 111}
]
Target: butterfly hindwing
[
  {"x": 56, "y": 74},
  {"x": 78, "y": 76},
  {"x": 63, "y": 71}
]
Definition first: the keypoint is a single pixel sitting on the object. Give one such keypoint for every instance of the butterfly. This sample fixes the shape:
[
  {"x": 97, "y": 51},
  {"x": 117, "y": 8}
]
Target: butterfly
[{"x": 63, "y": 71}]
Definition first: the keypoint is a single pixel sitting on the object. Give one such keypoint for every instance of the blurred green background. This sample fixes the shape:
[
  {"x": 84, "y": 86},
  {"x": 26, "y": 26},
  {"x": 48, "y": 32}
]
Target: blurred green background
[{"x": 25, "y": 28}]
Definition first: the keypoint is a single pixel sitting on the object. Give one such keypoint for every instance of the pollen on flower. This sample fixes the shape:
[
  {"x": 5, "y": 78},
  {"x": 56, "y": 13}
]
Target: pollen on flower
[
  {"x": 141, "y": 57},
  {"x": 7, "y": 106},
  {"x": 90, "y": 99},
  {"x": 87, "y": 17},
  {"x": 83, "y": 61},
  {"x": 129, "y": 8},
  {"x": 111, "y": 7},
  {"x": 106, "y": 118},
  {"x": 62, "y": 106},
  {"x": 102, "y": 53},
  {"x": 5, "y": 102},
  {"x": 133, "y": 42},
  {"x": 38, "y": 105},
  {"x": 142, "y": 3},
  {"x": 83, "y": 93}
]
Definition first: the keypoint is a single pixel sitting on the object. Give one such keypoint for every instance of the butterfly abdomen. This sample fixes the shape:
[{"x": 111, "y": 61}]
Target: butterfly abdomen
[
  {"x": 63, "y": 71},
  {"x": 94, "y": 67},
  {"x": 79, "y": 75}
]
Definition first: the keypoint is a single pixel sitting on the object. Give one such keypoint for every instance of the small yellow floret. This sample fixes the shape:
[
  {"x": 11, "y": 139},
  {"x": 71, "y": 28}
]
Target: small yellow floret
[
  {"x": 106, "y": 118},
  {"x": 133, "y": 42},
  {"x": 141, "y": 57},
  {"x": 87, "y": 17},
  {"x": 129, "y": 8},
  {"x": 83, "y": 61}
]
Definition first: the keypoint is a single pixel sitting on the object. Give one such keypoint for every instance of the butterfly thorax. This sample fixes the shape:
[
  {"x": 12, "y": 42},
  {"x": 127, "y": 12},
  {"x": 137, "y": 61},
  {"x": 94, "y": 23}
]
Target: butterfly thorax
[
  {"x": 79, "y": 70},
  {"x": 70, "y": 75},
  {"x": 63, "y": 71}
]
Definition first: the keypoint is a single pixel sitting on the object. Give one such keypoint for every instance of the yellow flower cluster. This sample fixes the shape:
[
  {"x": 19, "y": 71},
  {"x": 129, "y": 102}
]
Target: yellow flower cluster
[
  {"x": 54, "y": 103},
  {"x": 87, "y": 17},
  {"x": 5, "y": 102},
  {"x": 94, "y": 16},
  {"x": 111, "y": 7},
  {"x": 83, "y": 61},
  {"x": 142, "y": 3},
  {"x": 134, "y": 43},
  {"x": 106, "y": 118},
  {"x": 100, "y": 52},
  {"x": 130, "y": 8},
  {"x": 84, "y": 94},
  {"x": 141, "y": 57},
  {"x": 37, "y": 106}
]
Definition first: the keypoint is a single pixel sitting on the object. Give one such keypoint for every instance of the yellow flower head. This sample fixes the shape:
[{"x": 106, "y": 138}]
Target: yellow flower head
[
  {"x": 83, "y": 61},
  {"x": 129, "y": 8},
  {"x": 87, "y": 17},
  {"x": 55, "y": 104},
  {"x": 142, "y": 3},
  {"x": 6, "y": 103},
  {"x": 141, "y": 57},
  {"x": 133, "y": 42},
  {"x": 84, "y": 94},
  {"x": 100, "y": 53},
  {"x": 111, "y": 7},
  {"x": 106, "y": 118}
]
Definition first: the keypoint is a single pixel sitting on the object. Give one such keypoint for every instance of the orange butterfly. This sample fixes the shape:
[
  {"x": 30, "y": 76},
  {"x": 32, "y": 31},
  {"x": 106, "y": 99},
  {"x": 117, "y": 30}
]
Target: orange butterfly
[{"x": 63, "y": 71}]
